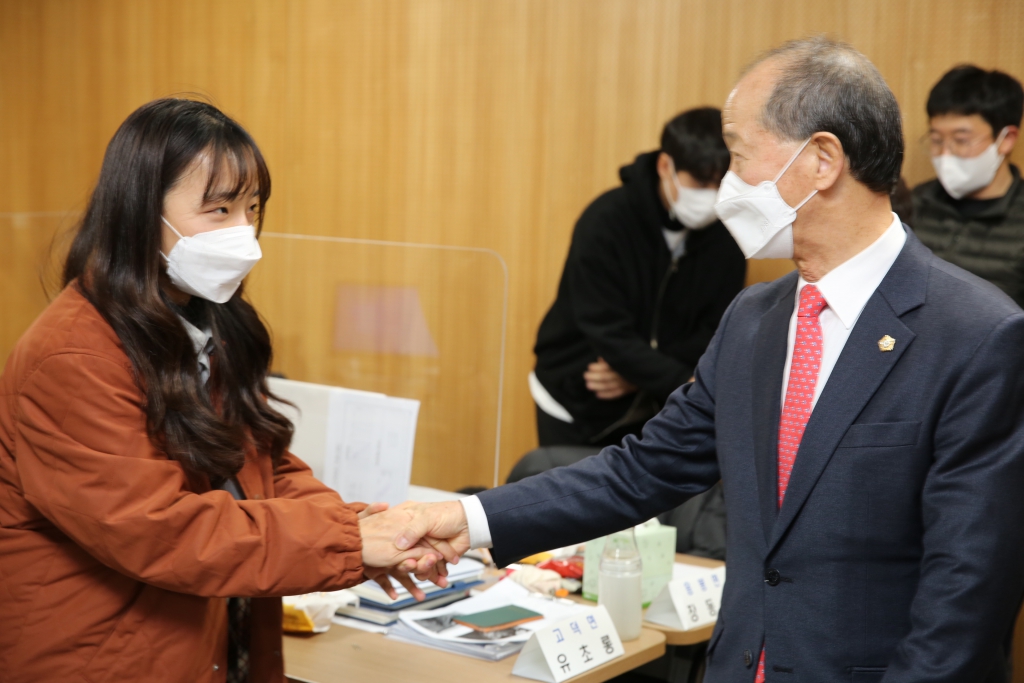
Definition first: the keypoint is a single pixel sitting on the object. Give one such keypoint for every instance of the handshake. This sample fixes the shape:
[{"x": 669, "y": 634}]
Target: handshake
[{"x": 412, "y": 538}]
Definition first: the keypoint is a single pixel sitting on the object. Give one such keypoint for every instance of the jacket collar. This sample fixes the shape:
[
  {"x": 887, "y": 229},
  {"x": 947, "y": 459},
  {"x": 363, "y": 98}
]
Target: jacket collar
[
  {"x": 933, "y": 196},
  {"x": 640, "y": 181}
]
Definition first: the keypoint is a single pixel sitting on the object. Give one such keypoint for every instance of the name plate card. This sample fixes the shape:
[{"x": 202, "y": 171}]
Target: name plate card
[
  {"x": 570, "y": 647},
  {"x": 690, "y": 600}
]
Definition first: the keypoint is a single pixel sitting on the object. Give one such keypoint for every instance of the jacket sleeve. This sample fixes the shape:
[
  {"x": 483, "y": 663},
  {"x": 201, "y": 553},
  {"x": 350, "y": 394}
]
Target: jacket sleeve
[
  {"x": 972, "y": 569},
  {"x": 728, "y": 279},
  {"x": 621, "y": 486},
  {"x": 87, "y": 464},
  {"x": 604, "y": 314}
]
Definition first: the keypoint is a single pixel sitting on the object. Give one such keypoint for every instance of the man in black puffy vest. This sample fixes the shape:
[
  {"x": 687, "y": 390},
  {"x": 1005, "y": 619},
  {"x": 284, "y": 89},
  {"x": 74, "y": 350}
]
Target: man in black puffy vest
[{"x": 972, "y": 215}]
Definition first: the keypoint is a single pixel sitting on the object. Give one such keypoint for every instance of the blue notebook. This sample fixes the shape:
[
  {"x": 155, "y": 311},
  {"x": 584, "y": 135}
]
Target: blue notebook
[{"x": 411, "y": 601}]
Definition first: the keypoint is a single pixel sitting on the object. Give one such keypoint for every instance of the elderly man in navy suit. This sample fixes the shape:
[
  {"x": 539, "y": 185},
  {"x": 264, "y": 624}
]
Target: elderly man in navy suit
[{"x": 865, "y": 413}]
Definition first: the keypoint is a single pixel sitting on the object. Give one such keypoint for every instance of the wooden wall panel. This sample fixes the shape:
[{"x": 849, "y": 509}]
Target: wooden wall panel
[{"x": 485, "y": 124}]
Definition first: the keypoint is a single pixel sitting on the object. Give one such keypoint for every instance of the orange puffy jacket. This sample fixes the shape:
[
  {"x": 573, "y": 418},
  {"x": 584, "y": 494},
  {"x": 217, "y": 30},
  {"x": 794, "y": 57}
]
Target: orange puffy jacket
[{"x": 114, "y": 562}]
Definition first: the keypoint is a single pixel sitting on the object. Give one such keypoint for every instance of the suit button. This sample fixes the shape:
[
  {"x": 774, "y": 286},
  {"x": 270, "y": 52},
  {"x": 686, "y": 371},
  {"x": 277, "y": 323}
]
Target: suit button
[
  {"x": 771, "y": 577},
  {"x": 216, "y": 667},
  {"x": 748, "y": 658}
]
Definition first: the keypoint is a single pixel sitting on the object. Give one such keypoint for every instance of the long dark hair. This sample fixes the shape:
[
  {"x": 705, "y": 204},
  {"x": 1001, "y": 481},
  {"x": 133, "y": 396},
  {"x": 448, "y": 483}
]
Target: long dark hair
[{"x": 115, "y": 262}]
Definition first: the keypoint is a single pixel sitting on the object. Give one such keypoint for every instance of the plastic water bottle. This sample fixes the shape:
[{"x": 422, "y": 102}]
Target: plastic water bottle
[{"x": 620, "y": 583}]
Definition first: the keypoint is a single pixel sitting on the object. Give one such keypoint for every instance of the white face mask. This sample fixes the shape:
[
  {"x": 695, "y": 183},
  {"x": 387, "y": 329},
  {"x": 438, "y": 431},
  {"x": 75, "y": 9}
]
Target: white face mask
[
  {"x": 757, "y": 217},
  {"x": 693, "y": 207},
  {"x": 963, "y": 175},
  {"x": 212, "y": 265}
]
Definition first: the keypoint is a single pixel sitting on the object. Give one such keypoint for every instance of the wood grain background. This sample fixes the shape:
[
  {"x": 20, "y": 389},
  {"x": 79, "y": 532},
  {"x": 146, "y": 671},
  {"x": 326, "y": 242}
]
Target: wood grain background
[
  {"x": 450, "y": 122},
  {"x": 467, "y": 123}
]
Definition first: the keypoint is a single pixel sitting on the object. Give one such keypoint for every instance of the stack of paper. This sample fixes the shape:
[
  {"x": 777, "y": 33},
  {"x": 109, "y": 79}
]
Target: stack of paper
[
  {"x": 375, "y": 606},
  {"x": 359, "y": 443},
  {"x": 466, "y": 571},
  {"x": 435, "y": 629}
]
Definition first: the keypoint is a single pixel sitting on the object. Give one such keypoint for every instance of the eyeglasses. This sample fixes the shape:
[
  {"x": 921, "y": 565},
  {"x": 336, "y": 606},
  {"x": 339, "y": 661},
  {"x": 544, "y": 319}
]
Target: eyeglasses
[{"x": 957, "y": 144}]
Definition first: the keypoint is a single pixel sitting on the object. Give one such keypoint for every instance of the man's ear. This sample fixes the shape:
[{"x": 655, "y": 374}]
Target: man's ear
[
  {"x": 664, "y": 166},
  {"x": 831, "y": 160},
  {"x": 1006, "y": 146}
]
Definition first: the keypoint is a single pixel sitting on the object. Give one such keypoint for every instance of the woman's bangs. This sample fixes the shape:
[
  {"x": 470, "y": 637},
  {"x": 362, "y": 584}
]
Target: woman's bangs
[{"x": 237, "y": 170}]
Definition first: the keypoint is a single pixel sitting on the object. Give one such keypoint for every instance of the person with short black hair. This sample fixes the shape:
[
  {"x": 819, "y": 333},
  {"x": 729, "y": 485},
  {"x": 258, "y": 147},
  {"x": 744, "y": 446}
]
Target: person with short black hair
[
  {"x": 972, "y": 215},
  {"x": 650, "y": 271}
]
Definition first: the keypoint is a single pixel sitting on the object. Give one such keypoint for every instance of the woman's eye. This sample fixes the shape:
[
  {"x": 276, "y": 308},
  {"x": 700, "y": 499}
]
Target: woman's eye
[{"x": 254, "y": 208}]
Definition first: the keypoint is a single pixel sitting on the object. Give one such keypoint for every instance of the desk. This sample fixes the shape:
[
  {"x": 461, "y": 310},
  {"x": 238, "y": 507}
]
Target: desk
[{"x": 345, "y": 654}]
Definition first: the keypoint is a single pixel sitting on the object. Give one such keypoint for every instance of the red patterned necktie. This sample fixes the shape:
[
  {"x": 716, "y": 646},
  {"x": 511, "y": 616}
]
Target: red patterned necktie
[{"x": 796, "y": 410}]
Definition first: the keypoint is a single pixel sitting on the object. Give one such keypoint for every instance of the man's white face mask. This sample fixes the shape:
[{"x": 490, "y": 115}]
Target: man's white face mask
[
  {"x": 693, "y": 207},
  {"x": 757, "y": 216},
  {"x": 963, "y": 175},
  {"x": 212, "y": 265}
]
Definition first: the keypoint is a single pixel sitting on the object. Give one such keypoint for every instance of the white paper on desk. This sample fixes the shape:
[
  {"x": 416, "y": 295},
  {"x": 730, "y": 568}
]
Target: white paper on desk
[
  {"x": 309, "y": 413},
  {"x": 369, "y": 446},
  {"x": 502, "y": 594},
  {"x": 692, "y": 599}
]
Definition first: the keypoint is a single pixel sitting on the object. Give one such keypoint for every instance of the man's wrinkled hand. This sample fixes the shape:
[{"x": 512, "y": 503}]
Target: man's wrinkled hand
[
  {"x": 440, "y": 526},
  {"x": 414, "y": 538},
  {"x": 382, "y": 559}
]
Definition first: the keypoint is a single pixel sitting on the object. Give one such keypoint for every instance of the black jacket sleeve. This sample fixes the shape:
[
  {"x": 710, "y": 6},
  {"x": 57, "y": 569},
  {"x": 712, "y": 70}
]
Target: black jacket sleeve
[{"x": 602, "y": 312}]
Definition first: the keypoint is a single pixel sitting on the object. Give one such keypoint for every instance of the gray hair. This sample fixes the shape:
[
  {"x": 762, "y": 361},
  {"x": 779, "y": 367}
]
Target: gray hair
[{"x": 828, "y": 86}]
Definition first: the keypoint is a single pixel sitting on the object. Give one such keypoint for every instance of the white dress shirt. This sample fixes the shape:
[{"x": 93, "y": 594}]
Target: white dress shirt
[{"x": 846, "y": 289}]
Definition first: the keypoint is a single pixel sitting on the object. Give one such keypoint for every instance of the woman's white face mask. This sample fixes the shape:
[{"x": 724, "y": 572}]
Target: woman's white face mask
[
  {"x": 212, "y": 264},
  {"x": 961, "y": 176},
  {"x": 757, "y": 216}
]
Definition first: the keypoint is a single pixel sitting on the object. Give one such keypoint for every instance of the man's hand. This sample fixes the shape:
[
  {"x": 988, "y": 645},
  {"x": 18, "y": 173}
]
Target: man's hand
[
  {"x": 421, "y": 560},
  {"x": 605, "y": 382},
  {"x": 441, "y": 526}
]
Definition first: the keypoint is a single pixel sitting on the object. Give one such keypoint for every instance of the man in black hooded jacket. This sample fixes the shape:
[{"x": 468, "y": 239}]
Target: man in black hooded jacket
[{"x": 649, "y": 274}]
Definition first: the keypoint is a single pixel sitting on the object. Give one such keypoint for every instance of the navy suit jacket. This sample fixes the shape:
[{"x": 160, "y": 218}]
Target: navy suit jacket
[{"x": 898, "y": 554}]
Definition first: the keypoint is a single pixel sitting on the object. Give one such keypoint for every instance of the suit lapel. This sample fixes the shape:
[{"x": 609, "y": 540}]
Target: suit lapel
[
  {"x": 769, "y": 361},
  {"x": 860, "y": 370}
]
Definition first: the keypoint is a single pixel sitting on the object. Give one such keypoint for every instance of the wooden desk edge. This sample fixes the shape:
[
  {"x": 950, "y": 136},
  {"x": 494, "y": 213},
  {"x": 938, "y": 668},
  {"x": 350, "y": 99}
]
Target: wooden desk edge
[
  {"x": 648, "y": 647},
  {"x": 628, "y": 662},
  {"x": 677, "y": 637}
]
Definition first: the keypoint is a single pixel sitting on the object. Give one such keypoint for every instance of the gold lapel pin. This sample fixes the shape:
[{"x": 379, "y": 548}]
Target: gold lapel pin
[{"x": 886, "y": 343}]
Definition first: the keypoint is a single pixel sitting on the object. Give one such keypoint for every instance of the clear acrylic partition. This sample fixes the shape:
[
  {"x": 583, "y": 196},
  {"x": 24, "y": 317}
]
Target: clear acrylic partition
[{"x": 416, "y": 321}]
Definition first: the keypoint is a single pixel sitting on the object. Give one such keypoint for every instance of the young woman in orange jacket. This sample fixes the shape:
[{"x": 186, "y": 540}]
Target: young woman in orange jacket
[{"x": 150, "y": 512}]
